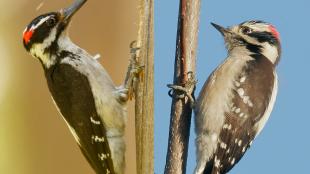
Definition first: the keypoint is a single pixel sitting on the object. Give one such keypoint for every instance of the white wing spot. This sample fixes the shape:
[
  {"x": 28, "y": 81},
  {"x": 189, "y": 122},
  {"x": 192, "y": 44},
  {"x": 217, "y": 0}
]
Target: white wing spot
[
  {"x": 250, "y": 104},
  {"x": 243, "y": 149},
  {"x": 232, "y": 161},
  {"x": 223, "y": 145},
  {"x": 237, "y": 84},
  {"x": 225, "y": 126},
  {"x": 242, "y": 79},
  {"x": 241, "y": 114},
  {"x": 102, "y": 156},
  {"x": 239, "y": 142},
  {"x": 229, "y": 126},
  {"x": 237, "y": 110},
  {"x": 246, "y": 100},
  {"x": 228, "y": 150},
  {"x": 217, "y": 162},
  {"x": 97, "y": 138},
  {"x": 251, "y": 142},
  {"x": 233, "y": 109},
  {"x": 94, "y": 121},
  {"x": 240, "y": 91}
]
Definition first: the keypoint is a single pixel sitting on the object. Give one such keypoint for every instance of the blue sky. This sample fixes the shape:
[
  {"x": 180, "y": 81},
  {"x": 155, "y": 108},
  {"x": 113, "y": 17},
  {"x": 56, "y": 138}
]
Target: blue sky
[{"x": 284, "y": 144}]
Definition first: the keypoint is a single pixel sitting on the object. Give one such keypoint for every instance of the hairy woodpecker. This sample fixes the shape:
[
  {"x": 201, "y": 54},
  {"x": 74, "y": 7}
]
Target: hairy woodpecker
[
  {"x": 237, "y": 99},
  {"x": 91, "y": 105}
]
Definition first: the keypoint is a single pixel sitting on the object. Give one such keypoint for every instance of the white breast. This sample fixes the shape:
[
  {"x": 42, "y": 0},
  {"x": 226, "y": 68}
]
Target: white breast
[{"x": 213, "y": 101}]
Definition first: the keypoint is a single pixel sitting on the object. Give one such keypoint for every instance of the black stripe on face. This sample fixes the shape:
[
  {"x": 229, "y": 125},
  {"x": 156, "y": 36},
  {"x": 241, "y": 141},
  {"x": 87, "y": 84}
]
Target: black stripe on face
[
  {"x": 255, "y": 49},
  {"x": 41, "y": 32},
  {"x": 54, "y": 45},
  {"x": 264, "y": 37}
]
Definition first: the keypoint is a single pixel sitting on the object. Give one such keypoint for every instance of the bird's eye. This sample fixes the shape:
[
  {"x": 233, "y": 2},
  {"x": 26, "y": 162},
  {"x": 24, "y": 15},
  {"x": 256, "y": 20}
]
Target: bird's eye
[
  {"x": 246, "y": 30},
  {"x": 51, "y": 22}
]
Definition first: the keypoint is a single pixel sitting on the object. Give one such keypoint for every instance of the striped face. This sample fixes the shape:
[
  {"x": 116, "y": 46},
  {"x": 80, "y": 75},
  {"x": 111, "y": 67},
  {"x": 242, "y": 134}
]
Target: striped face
[
  {"x": 257, "y": 37},
  {"x": 257, "y": 32},
  {"x": 41, "y": 35},
  {"x": 40, "y": 30}
]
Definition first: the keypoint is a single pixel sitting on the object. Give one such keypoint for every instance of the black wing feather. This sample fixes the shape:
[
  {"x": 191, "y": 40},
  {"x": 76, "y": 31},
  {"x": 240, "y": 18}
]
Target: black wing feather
[
  {"x": 73, "y": 95},
  {"x": 238, "y": 131}
]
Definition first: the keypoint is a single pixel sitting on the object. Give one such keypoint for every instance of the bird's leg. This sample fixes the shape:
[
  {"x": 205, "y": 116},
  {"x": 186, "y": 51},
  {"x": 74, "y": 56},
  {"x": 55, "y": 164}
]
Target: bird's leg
[
  {"x": 134, "y": 73},
  {"x": 179, "y": 92}
]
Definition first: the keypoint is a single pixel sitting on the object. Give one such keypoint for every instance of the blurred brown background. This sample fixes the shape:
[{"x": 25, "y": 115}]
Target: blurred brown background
[{"x": 34, "y": 139}]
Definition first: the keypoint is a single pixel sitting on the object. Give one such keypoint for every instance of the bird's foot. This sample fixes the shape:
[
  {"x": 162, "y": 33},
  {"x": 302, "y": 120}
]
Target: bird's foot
[
  {"x": 134, "y": 72},
  {"x": 186, "y": 90},
  {"x": 122, "y": 94}
]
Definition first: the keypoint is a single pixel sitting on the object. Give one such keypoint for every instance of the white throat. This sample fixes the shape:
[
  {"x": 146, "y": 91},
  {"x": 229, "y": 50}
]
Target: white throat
[
  {"x": 38, "y": 50},
  {"x": 63, "y": 42}
]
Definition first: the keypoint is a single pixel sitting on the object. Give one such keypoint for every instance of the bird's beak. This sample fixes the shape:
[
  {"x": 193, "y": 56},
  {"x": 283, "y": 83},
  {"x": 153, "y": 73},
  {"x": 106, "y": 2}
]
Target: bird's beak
[
  {"x": 224, "y": 31},
  {"x": 67, "y": 13}
]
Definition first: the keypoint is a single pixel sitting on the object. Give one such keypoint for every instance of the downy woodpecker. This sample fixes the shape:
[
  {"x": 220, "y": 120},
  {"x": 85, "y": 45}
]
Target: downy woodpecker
[
  {"x": 237, "y": 99},
  {"x": 91, "y": 105}
]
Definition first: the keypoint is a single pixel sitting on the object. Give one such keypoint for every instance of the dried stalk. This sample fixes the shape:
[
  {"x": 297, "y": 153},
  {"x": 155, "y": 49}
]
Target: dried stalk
[
  {"x": 185, "y": 62},
  {"x": 144, "y": 93}
]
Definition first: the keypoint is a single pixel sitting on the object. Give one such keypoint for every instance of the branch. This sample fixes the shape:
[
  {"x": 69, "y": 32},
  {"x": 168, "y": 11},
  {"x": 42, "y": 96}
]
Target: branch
[
  {"x": 144, "y": 93},
  {"x": 185, "y": 61}
]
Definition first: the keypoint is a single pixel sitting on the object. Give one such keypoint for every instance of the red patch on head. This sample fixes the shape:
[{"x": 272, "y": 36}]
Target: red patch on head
[
  {"x": 274, "y": 32},
  {"x": 27, "y": 36}
]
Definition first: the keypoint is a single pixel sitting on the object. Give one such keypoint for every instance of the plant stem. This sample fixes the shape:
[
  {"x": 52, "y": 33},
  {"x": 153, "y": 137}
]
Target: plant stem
[
  {"x": 185, "y": 67},
  {"x": 144, "y": 93}
]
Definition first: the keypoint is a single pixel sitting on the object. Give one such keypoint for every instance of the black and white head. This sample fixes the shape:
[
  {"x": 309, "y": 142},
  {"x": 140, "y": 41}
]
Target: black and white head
[
  {"x": 257, "y": 37},
  {"x": 43, "y": 36}
]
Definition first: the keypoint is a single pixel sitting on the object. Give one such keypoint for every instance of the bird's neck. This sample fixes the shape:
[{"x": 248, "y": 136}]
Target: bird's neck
[
  {"x": 251, "y": 52},
  {"x": 65, "y": 44},
  {"x": 241, "y": 53},
  {"x": 50, "y": 54}
]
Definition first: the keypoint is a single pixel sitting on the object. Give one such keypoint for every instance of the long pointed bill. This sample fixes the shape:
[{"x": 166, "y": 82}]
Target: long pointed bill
[
  {"x": 70, "y": 11},
  {"x": 221, "y": 29}
]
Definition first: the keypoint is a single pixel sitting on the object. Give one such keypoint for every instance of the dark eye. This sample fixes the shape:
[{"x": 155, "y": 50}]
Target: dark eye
[
  {"x": 246, "y": 30},
  {"x": 51, "y": 22}
]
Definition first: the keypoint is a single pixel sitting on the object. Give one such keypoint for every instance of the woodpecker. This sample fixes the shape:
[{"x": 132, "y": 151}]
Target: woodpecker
[
  {"x": 85, "y": 95},
  {"x": 238, "y": 97}
]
